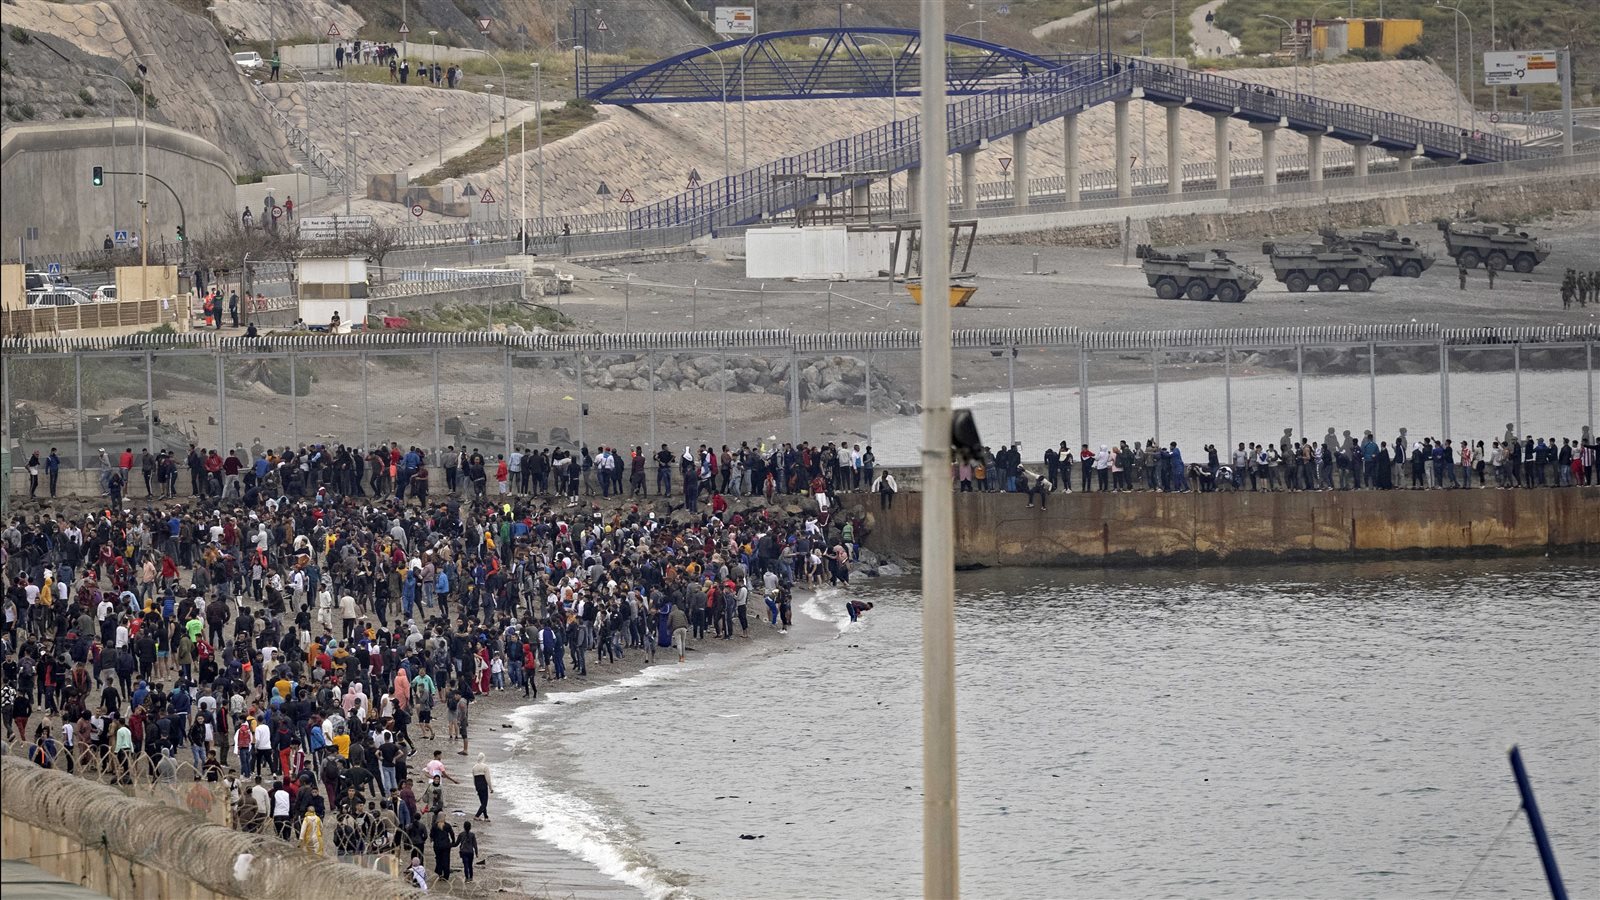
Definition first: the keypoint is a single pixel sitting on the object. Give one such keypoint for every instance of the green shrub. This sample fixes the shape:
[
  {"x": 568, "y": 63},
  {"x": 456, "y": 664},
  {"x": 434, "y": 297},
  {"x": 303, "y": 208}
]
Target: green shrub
[
  {"x": 20, "y": 36},
  {"x": 85, "y": 96},
  {"x": 75, "y": 113}
]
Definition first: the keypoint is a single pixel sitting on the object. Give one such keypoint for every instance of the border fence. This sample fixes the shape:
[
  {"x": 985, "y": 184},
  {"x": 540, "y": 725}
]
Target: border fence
[{"x": 494, "y": 390}]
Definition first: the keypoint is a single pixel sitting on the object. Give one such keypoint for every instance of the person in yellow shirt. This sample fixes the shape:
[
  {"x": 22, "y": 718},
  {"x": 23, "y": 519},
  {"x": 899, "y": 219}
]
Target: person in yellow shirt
[
  {"x": 311, "y": 833},
  {"x": 342, "y": 742},
  {"x": 283, "y": 687}
]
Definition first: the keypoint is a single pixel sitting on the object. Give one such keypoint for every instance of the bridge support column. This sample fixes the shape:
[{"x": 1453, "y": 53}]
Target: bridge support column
[
  {"x": 1224, "y": 155},
  {"x": 861, "y": 199},
  {"x": 1019, "y": 168},
  {"x": 1070, "y": 123},
  {"x": 913, "y": 190},
  {"x": 1124, "y": 162},
  {"x": 1358, "y": 155},
  {"x": 969, "y": 179},
  {"x": 1314, "y": 157},
  {"x": 1404, "y": 158},
  {"x": 1174, "y": 149},
  {"x": 1269, "y": 151}
]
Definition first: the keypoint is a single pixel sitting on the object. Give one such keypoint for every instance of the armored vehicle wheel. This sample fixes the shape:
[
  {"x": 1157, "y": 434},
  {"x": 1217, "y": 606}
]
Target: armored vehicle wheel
[
  {"x": 1412, "y": 269},
  {"x": 1524, "y": 263},
  {"x": 1469, "y": 258},
  {"x": 1327, "y": 281},
  {"x": 1296, "y": 282},
  {"x": 1389, "y": 268},
  {"x": 1197, "y": 290},
  {"x": 1167, "y": 289},
  {"x": 1228, "y": 292},
  {"x": 1497, "y": 260},
  {"x": 1358, "y": 282}
]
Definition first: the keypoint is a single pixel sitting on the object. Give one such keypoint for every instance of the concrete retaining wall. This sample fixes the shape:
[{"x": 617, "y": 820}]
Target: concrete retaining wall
[
  {"x": 94, "y": 835},
  {"x": 1235, "y": 528}
]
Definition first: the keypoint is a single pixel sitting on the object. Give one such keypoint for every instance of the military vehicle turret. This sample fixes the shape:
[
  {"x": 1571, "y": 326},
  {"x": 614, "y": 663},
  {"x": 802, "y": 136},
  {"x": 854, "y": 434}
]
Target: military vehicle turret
[
  {"x": 1299, "y": 266},
  {"x": 1175, "y": 275},
  {"x": 1486, "y": 245},
  {"x": 1399, "y": 255}
]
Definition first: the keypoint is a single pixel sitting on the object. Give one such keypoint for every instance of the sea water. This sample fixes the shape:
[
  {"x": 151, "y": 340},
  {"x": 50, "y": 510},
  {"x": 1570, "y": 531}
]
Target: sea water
[{"x": 1307, "y": 731}]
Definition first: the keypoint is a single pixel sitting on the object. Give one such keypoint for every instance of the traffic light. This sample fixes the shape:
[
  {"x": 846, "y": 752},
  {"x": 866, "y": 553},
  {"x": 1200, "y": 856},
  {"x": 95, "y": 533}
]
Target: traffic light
[
  {"x": 98, "y": 176},
  {"x": 180, "y": 232}
]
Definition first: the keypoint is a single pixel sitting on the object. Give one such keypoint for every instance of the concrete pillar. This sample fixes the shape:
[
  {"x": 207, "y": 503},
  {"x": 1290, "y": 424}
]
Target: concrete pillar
[
  {"x": 913, "y": 190},
  {"x": 1405, "y": 158},
  {"x": 1224, "y": 154},
  {"x": 1174, "y": 150},
  {"x": 969, "y": 179},
  {"x": 1314, "y": 157},
  {"x": 1019, "y": 168},
  {"x": 861, "y": 199},
  {"x": 1124, "y": 163},
  {"x": 1070, "y": 123},
  {"x": 1358, "y": 154},
  {"x": 1269, "y": 151}
]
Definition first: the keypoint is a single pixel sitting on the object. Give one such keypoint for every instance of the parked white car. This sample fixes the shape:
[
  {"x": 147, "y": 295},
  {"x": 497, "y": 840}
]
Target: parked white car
[
  {"x": 58, "y": 297},
  {"x": 105, "y": 293},
  {"x": 248, "y": 60}
]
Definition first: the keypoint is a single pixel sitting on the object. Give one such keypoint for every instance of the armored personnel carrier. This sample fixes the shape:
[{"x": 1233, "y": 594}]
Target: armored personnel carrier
[
  {"x": 1299, "y": 266},
  {"x": 1399, "y": 255},
  {"x": 1487, "y": 245},
  {"x": 1175, "y": 275}
]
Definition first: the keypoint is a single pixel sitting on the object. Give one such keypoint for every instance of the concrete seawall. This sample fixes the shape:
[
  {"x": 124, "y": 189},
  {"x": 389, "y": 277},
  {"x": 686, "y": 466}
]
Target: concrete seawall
[{"x": 1235, "y": 528}]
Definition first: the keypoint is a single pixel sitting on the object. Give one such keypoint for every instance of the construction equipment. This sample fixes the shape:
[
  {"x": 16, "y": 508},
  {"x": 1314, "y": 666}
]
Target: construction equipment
[
  {"x": 1488, "y": 246},
  {"x": 905, "y": 259},
  {"x": 1299, "y": 266},
  {"x": 1175, "y": 275},
  {"x": 1399, "y": 255}
]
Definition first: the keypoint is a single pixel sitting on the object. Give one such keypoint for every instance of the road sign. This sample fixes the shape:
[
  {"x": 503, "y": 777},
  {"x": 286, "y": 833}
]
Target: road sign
[
  {"x": 1005, "y": 164},
  {"x": 277, "y": 211},
  {"x": 602, "y": 26},
  {"x": 602, "y": 190},
  {"x": 54, "y": 268},
  {"x": 1494, "y": 117},
  {"x": 627, "y": 196},
  {"x": 122, "y": 237},
  {"x": 694, "y": 178},
  {"x": 333, "y": 29},
  {"x": 404, "y": 30},
  {"x": 488, "y": 196},
  {"x": 483, "y": 24},
  {"x": 331, "y": 228},
  {"x": 416, "y": 210},
  {"x": 736, "y": 20},
  {"x": 1521, "y": 67}
]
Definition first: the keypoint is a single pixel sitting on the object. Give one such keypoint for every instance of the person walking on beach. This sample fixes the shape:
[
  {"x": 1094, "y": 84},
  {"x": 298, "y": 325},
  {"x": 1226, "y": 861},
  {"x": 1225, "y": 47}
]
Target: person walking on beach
[
  {"x": 443, "y": 837},
  {"x": 467, "y": 846},
  {"x": 482, "y": 783}
]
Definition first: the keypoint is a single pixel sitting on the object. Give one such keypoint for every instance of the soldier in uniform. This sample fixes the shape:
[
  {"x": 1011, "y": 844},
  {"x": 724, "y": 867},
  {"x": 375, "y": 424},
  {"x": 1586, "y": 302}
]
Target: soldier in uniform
[{"x": 1461, "y": 275}]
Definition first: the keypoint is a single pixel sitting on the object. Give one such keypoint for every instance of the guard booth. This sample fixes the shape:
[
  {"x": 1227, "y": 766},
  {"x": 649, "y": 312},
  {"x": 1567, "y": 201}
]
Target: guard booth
[{"x": 332, "y": 285}]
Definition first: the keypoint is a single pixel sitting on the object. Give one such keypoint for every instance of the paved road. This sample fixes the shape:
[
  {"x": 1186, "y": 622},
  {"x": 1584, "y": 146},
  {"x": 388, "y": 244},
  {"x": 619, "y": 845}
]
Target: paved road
[
  {"x": 1077, "y": 18},
  {"x": 1209, "y": 40}
]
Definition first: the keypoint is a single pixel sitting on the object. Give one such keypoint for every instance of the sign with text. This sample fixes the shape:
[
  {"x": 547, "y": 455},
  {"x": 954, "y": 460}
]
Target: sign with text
[
  {"x": 1521, "y": 67},
  {"x": 735, "y": 20},
  {"x": 331, "y": 228}
]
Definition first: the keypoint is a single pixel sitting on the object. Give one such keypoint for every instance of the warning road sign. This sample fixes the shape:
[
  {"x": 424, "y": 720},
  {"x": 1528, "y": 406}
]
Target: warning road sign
[
  {"x": 404, "y": 30},
  {"x": 488, "y": 196},
  {"x": 694, "y": 178},
  {"x": 627, "y": 196},
  {"x": 1005, "y": 164},
  {"x": 602, "y": 26},
  {"x": 483, "y": 25},
  {"x": 602, "y": 190},
  {"x": 333, "y": 29}
]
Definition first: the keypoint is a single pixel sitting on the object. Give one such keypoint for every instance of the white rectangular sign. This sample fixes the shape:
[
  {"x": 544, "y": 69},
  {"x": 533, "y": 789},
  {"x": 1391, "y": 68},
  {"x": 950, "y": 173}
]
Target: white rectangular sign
[
  {"x": 736, "y": 20},
  {"x": 331, "y": 228},
  {"x": 1521, "y": 67}
]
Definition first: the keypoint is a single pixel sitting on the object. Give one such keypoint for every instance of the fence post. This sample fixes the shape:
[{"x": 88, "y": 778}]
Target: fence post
[
  {"x": 222, "y": 398},
  {"x": 867, "y": 386},
  {"x": 1300, "y": 386},
  {"x": 1588, "y": 362},
  {"x": 627, "y": 300},
  {"x": 723, "y": 353},
  {"x": 438, "y": 427},
  {"x": 1083, "y": 393},
  {"x": 1372, "y": 383},
  {"x": 794, "y": 390},
  {"x": 1155, "y": 389},
  {"x": 577, "y": 358},
  {"x": 294, "y": 402},
  {"x": 77, "y": 402},
  {"x": 694, "y": 304},
  {"x": 149, "y": 403},
  {"x": 366, "y": 438},
  {"x": 1516, "y": 382},
  {"x": 650, "y": 361},
  {"x": 1227, "y": 390},
  {"x": 1444, "y": 389},
  {"x": 510, "y": 416},
  {"x": 830, "y": 307}
]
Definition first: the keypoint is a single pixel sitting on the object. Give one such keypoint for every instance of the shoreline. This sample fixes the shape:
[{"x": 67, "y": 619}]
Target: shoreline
[{"x": 528, "y": 848}]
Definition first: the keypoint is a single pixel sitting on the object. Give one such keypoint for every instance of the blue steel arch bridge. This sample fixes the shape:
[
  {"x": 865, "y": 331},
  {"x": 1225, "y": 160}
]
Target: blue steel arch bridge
[{"x": 1003, "y": 92}]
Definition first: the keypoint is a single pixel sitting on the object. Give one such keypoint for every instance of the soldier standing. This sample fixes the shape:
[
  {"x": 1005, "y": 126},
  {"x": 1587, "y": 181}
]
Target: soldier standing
[
  {"x": 1491, "y": 276},
  {"x": 1461, "y": 275},
  {"x": 1566, "y": 290}
]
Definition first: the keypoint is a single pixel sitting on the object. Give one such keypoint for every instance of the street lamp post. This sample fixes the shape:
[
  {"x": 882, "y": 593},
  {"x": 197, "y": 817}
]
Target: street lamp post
[
  {"x": 142, "y": 106},
  {"x": 438, "y": 131},
  {"x": 1316, "y": 14},
  {"x": 433, "y": 55},
  {"x": 724, "y": 70},
  {"x": 505, "y": 130},
  {"x": 894, "y": 108},
  {"x": 134, "y": 97},
  {"x": 1295, "y": 59},
  {"x": 538, "y": 125},
  {"x": 1472, "y": 87}
]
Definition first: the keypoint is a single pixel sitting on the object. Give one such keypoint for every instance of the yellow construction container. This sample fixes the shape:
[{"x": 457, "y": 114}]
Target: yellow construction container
[{"x": 1384, "y": 35}]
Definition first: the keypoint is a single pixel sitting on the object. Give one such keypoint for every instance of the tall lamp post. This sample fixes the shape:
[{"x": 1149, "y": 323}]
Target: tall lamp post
[
  {"x": 724, "y": 69},
  {"x": 135, "y": 98},
  {"x": 538, "y": 125},
  {"x": 438, "y": 131},
  {"x": 505, "y": 130},
  {"x": 1316, "y": 15},
  {"x": 1296, "y": 57},
  {"x": 144, "y": 176},
  {"x": 894, "y": 101},
  {"x": 1472, "y": 86}
]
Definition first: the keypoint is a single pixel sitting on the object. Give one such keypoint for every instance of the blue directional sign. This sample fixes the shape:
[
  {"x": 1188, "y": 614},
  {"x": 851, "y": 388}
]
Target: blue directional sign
[
  {"x": 54, "y": 269},
  {"x": 121, "y": 237}
]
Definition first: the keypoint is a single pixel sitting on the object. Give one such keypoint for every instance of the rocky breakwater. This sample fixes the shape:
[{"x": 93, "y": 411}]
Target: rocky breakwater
[{"x": 831, "y": 379}]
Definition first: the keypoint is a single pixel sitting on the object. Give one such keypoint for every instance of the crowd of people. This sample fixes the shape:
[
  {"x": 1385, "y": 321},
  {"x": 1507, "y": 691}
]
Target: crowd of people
[
  {"x": 305, "y": 641},
  {"x": 1336, "y": 462}
]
